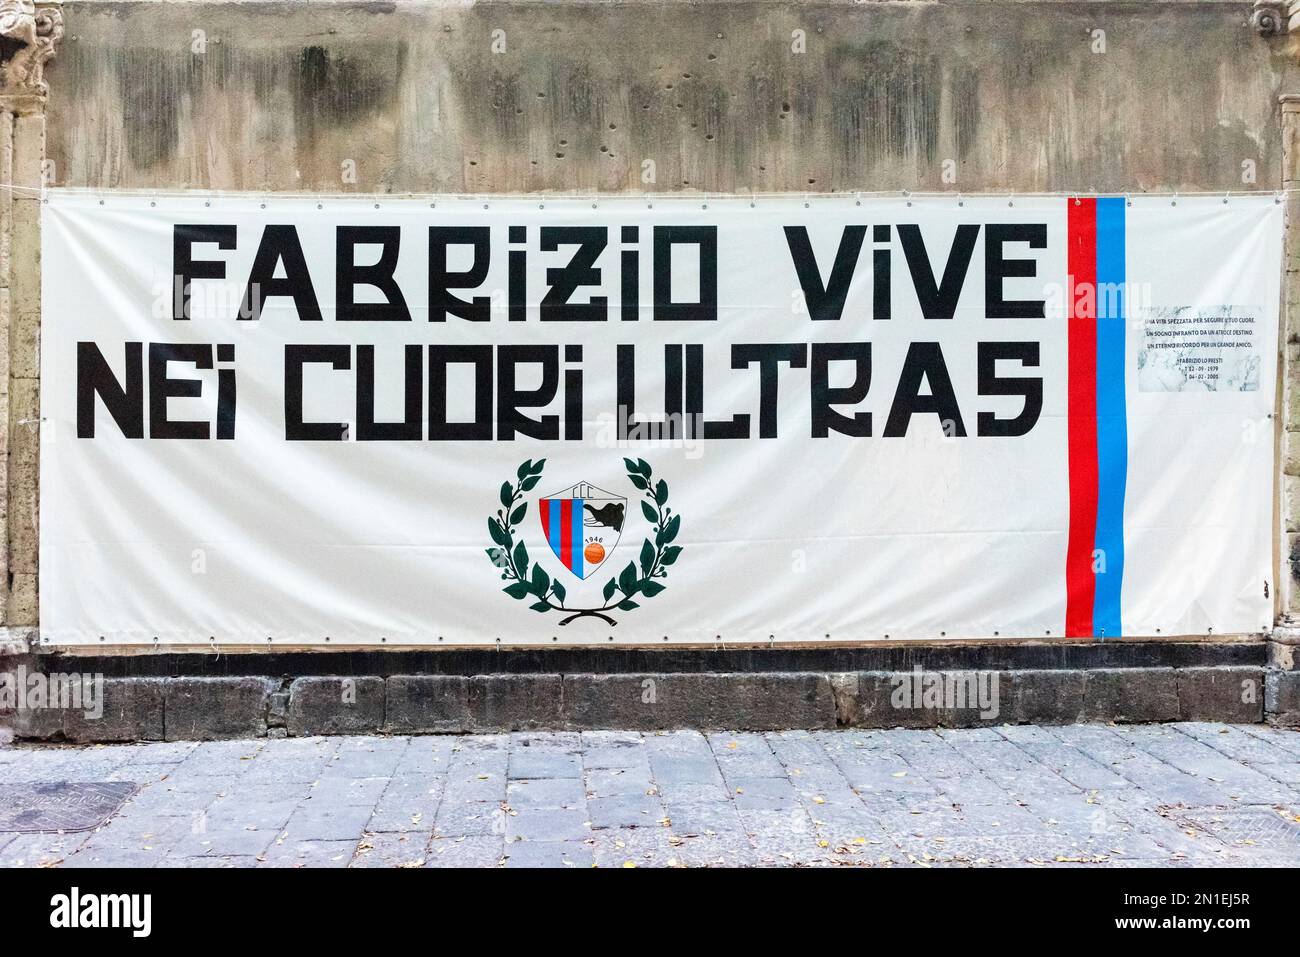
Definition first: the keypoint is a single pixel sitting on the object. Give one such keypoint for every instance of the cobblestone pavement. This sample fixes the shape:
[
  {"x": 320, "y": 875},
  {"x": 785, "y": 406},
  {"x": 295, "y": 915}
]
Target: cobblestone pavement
[{"x": 1088, "y": 795}]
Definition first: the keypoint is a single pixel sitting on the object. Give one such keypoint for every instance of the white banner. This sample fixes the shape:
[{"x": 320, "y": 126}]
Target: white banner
[{"x": 354, "y": 421}]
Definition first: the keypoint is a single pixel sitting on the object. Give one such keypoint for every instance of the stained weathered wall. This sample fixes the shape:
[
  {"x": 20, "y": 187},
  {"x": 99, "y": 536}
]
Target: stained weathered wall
[
  {"x": 649, "y": 95},
  {"x": 654, "y": 95},
  {"x": 973, "y": 95},
  {"x": 1019, "y": 95}
]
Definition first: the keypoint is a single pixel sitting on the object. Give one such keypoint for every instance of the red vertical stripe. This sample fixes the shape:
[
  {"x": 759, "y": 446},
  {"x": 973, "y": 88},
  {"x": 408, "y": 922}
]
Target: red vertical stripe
[
  {"x": 546, "y": 518},
  {"x": 1081, "y": 316},
  {"x": 566, "y": 533}
]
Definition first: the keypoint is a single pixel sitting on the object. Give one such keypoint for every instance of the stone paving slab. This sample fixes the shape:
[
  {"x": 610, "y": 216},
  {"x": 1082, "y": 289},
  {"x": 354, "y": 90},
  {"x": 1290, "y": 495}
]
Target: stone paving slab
[{"x": 1182, "y": 794}]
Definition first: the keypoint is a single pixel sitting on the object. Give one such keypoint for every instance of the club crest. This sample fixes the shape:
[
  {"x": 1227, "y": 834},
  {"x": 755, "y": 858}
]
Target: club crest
[{"x": 582, "y": 524}]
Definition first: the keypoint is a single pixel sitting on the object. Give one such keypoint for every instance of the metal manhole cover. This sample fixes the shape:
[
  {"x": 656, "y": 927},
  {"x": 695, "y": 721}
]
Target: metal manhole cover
[
  {"x": 60, "y": 806},
  {"x": 1253, "y": 825}
]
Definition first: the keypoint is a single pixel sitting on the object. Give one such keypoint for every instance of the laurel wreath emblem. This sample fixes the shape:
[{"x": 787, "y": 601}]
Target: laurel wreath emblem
[{"x": 639, "y": 579}]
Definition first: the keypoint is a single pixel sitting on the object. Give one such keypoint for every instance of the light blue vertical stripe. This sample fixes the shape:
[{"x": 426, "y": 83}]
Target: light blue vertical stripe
[
  {"x": 577, "y": 537},
  {"x": 1112, "y": 417},
  {"x": 553, "y": 524}
]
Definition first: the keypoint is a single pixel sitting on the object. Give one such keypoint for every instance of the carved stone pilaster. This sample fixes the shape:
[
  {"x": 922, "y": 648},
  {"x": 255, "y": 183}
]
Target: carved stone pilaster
[{"x": 29, "y": 34}]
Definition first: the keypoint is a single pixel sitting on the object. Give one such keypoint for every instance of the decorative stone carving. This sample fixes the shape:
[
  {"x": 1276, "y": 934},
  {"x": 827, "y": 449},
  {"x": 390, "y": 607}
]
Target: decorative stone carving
[
  {"x": 29, "y": 32},
  {"x": 1271, "y": 17}
]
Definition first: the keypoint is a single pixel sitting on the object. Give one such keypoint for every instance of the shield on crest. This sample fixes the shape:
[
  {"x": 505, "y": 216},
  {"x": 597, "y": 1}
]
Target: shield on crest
[{"x": 582, "y": 525}]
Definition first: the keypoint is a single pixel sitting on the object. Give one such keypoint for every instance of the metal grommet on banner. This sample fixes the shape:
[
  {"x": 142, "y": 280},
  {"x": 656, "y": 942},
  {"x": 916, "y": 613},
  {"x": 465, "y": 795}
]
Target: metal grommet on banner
[
  {"x": 1011, "y": 200},
  {"x": 1128, "y": 201},
  {"x": 960, "y": 201},
  {"x": 1277, "y": 199},
  {"x": 1174, "y": 201}
]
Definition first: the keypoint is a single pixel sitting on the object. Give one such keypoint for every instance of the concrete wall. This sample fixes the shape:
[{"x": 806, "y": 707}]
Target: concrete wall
[
  {"x": 1019, "y": 95},
  {"x": 639, "y": 95},
  {"x": 633, "y": 95}
]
